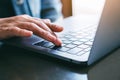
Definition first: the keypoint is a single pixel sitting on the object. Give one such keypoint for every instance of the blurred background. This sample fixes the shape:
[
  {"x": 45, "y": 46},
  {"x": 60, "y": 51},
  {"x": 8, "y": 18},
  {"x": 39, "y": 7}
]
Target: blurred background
[{"x": 78, "y": 7}]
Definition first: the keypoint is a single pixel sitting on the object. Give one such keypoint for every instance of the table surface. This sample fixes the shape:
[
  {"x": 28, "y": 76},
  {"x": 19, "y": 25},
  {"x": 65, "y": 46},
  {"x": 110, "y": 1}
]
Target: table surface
[{"x": 20, "y": 64}]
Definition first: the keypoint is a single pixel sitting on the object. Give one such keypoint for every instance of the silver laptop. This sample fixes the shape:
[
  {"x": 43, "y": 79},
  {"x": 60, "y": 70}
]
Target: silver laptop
[{"x": 84, "y": 40}]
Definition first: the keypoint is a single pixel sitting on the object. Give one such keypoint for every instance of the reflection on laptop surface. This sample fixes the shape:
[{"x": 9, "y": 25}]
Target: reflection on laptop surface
[{"x": 84, "y": 40}]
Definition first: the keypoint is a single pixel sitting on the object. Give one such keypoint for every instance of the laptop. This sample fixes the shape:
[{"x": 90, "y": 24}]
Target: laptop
[{"x": 85, "y": 39}]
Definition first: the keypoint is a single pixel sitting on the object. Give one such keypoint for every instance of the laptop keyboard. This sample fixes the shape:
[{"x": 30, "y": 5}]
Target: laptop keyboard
[{"x": 73, "y": 42}]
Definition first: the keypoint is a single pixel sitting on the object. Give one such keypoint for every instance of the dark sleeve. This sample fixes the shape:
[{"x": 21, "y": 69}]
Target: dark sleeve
[
  {"x": 6, "y": 8},
  {"x": 21, "y": 7},
  {"x": 51, "y": 9}
]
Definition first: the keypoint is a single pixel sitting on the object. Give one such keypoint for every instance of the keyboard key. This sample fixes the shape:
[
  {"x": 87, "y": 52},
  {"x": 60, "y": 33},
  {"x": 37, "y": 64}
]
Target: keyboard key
[
  {"x": 83, "y": 39},
  {"x": 77, "y": 42},
  {"x": 80, "y": 53},
  {"x": 73, "y": 39},
  {"x": 87, "y": 49},
  {"x": 71, "y": 45},
  {"x": 74, "y": 50},
  {"x": 83, "y": 46},
  {"x": 89, "y": 43},
  {"x": 66, "y": 41}
]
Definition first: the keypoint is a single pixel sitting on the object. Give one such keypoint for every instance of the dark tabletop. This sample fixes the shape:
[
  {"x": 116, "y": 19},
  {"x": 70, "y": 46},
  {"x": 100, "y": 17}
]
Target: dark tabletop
[{"x": 20, "y": 64}]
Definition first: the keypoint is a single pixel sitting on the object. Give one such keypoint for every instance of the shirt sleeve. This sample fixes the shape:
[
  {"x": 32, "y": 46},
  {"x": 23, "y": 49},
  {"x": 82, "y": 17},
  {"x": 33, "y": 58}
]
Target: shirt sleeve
[{"x": 51, "y": 9}]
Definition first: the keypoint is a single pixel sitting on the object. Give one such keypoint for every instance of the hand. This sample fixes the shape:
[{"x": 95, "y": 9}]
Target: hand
[{"x": 25, "y": 26}]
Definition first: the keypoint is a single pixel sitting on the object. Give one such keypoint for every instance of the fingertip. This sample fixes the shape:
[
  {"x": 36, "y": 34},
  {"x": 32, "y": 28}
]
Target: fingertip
[
  {"x": 57, "y": 42},
  {"x": 61, "y": 28}
]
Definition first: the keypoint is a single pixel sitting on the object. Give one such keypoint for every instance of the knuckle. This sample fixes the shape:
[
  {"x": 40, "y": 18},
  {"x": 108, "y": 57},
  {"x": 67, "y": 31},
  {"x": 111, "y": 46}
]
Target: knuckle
[
  {"x": 48, "y": 20},
  {"x": 27, "y": 25},
  {"x": 14, "y": 29},
  {"x": 25, "y": 15},
  {"x": 17, "y": 31},
  {"x": 31, "y": 25},
  {"x": 43, "y": 33},
  {"x": 22, "y": 16},
  {"x": 20, "y": 31},
  {"x": 17, "y": 18},
  {"x": 11, "y": 30}
]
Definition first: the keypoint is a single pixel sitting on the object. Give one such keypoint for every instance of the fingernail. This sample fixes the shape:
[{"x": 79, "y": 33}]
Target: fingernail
[{"x": 58, "y": 42}]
